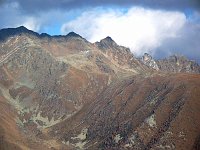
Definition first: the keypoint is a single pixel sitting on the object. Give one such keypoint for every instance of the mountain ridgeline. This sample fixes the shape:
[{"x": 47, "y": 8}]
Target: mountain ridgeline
[
  {"x": 65, "y": 93},
  {"x": 175, "y": 63}
]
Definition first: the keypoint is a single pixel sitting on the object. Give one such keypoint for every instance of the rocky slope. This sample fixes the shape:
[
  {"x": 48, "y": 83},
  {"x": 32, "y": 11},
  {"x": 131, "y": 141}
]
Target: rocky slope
[
  {"x": 174, "y": 64},
  {"x": 178, "y": 64},
  {"x": 63, "y": 92}
]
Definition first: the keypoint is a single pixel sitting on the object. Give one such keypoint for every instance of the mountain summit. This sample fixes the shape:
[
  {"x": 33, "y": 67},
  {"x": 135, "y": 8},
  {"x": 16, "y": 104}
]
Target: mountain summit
[
  {"x": 9, "y": 32},
  {"x": 65, "y": 93},
  {"x": 73, "y": 34}
]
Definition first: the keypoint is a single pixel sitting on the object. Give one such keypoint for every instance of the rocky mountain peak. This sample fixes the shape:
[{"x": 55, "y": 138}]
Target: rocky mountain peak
[
  {"x": 177, "y": 63},
  {"x": 174, "y": 63},
  {"x": 8, "y": 32},
  {"x": 149, "y": 61},
  {"x": 73, "y": 34},
  {"x": 108, "y": 39},
  {"x": 22, "y": 28},
  {"x": 45, "y": 35},
  {"x": 107, "y": 43}
]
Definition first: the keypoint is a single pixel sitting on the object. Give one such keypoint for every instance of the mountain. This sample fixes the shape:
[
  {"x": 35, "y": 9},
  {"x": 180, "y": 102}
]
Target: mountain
[
  {"x": 65, "y": 93},
  {"x": 178, "y": 64},
  {"x": 174, "y": 64}
]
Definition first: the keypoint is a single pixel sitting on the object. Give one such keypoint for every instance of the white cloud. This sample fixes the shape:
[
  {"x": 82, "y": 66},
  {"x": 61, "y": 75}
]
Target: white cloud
[
  {"x": 143, "y": 30},
  {"x": 32, "y": 24},
  {"x": 16, "y": 18}
]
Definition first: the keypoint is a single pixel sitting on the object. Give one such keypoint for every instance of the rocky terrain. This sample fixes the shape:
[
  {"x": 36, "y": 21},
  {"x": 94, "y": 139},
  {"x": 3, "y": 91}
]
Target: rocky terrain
[
  {"x": 65, "y": 93},
  {"x": 149, "y": 61},
  {"x": 175, "y": 63}
]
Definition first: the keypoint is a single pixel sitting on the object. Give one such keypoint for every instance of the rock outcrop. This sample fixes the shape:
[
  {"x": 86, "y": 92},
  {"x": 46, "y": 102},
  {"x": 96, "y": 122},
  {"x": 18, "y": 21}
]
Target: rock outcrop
[
  {"x": 173, "y": 63},
  {"x": 178, "y": 64},
  {"x": 149, "y": 61}
]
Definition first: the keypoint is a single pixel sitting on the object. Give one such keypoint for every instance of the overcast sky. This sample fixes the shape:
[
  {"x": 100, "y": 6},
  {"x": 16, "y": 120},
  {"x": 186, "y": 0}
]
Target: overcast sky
[{"x": 159, "y": 27}]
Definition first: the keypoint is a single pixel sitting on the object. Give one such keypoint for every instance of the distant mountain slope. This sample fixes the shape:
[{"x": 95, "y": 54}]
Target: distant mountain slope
[
  {"x": 172, "y": 64},
  {"x": 178, "y": 64}
]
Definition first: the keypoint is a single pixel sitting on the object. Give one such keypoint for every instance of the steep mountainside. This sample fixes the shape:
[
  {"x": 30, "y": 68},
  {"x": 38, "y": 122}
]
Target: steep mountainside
[{"x": 63, "y": 92}]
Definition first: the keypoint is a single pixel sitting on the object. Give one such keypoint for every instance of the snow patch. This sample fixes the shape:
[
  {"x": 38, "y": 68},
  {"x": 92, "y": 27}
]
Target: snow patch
[
  {"x": 45, "y": 120},
  {"x": 82, "y": 135},
  {"x": 117, "y": 138},
  {"x": 151, "y": 121},
  {"x": 131, "y": 142}
]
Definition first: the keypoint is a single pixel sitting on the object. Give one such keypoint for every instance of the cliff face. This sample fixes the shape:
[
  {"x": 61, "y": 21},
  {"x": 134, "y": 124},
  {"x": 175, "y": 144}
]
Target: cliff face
[{"x": 63, "y": 92}]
